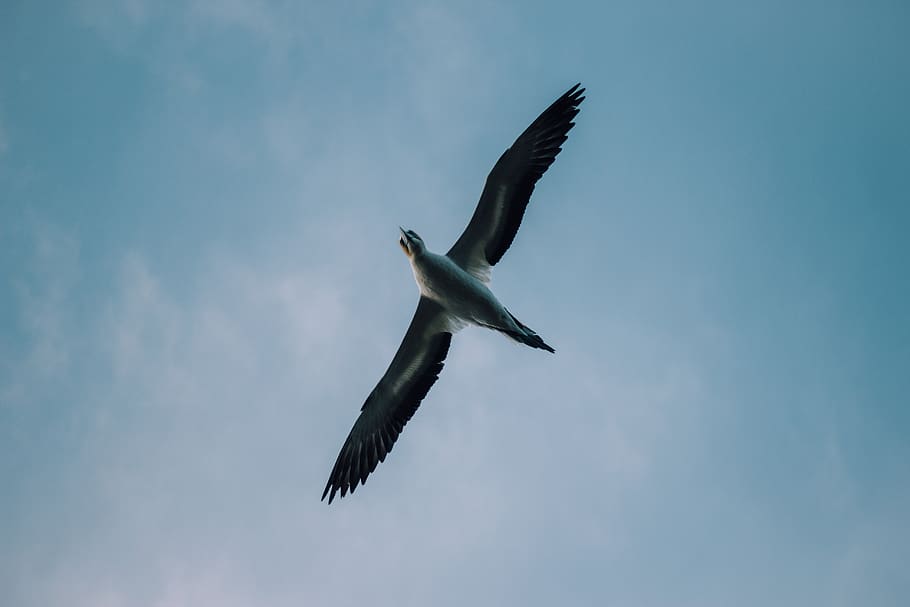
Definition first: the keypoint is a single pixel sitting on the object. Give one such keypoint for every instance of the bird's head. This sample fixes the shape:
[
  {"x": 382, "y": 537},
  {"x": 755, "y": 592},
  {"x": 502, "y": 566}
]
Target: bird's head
[{"x": 411, "y": 243}]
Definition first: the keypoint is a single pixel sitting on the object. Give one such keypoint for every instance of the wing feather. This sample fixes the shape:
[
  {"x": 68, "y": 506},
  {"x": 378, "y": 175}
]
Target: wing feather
[
  {"x": 394, "y": 400},
  {"x": 510, "y": 184}
]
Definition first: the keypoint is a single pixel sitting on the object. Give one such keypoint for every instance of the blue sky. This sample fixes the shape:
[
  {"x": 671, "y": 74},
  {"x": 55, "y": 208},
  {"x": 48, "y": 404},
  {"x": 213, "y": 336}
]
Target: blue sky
[{"x": 200, "y": 282}]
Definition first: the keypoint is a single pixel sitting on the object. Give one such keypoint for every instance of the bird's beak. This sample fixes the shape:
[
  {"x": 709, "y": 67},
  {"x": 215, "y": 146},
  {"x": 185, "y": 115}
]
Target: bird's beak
[{"x": 403, "y": 241}]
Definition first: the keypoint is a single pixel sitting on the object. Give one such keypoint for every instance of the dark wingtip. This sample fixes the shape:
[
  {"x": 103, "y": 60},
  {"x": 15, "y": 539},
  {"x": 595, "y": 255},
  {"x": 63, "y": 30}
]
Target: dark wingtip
[
  {"x": 360, "y": 454},
  {"x": 575, "y": 93},
  {"x": 326, "y": 492}
]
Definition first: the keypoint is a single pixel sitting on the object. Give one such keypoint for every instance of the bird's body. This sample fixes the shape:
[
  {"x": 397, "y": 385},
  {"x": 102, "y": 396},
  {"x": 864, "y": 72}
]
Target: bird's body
[
  {"x": 454, "y": 292},
  {"x": 462, "y": 295}
]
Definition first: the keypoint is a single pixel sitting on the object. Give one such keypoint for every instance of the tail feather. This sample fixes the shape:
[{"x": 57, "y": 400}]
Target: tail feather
[{"x": 528, "y": 337}]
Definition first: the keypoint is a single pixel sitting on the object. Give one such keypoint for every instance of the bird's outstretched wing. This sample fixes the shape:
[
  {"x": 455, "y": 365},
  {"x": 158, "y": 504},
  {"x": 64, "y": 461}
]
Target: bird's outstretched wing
[
  {"x": 509, "y": 185},
  {"x": 395, "y": 398}
]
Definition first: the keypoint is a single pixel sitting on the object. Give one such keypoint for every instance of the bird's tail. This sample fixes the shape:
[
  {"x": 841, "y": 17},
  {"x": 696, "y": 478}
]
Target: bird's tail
[{"x": 527, "y": 336}]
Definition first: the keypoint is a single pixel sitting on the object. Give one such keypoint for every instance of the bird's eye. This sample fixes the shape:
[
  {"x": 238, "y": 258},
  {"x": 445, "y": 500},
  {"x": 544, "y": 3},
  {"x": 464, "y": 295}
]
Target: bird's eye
[{"x": 401, "y": 242}]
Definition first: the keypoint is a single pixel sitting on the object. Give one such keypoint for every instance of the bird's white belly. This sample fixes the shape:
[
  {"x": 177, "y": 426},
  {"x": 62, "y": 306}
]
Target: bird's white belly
[{"x": 441, "y": 280}]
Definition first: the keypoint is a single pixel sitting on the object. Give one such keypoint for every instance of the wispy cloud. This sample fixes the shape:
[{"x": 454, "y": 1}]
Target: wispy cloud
[
  {"x": 212, "y": 415},
  {"x": 119, "y": 22},
  {"x": 42, "y": 294},
  {"x": 195, "y": 322}
]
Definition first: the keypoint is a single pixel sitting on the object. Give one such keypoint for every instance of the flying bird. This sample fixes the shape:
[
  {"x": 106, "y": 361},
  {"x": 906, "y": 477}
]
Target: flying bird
[{"x": 454, "y": 292}]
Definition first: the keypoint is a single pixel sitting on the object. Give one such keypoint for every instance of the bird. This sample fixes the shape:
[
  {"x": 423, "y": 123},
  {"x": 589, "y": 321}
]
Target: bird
[{"x": 454, "y": 293}]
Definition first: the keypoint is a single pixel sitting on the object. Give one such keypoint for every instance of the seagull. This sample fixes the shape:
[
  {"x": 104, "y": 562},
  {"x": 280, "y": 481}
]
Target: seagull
[{"x": 454, "y": 293}]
